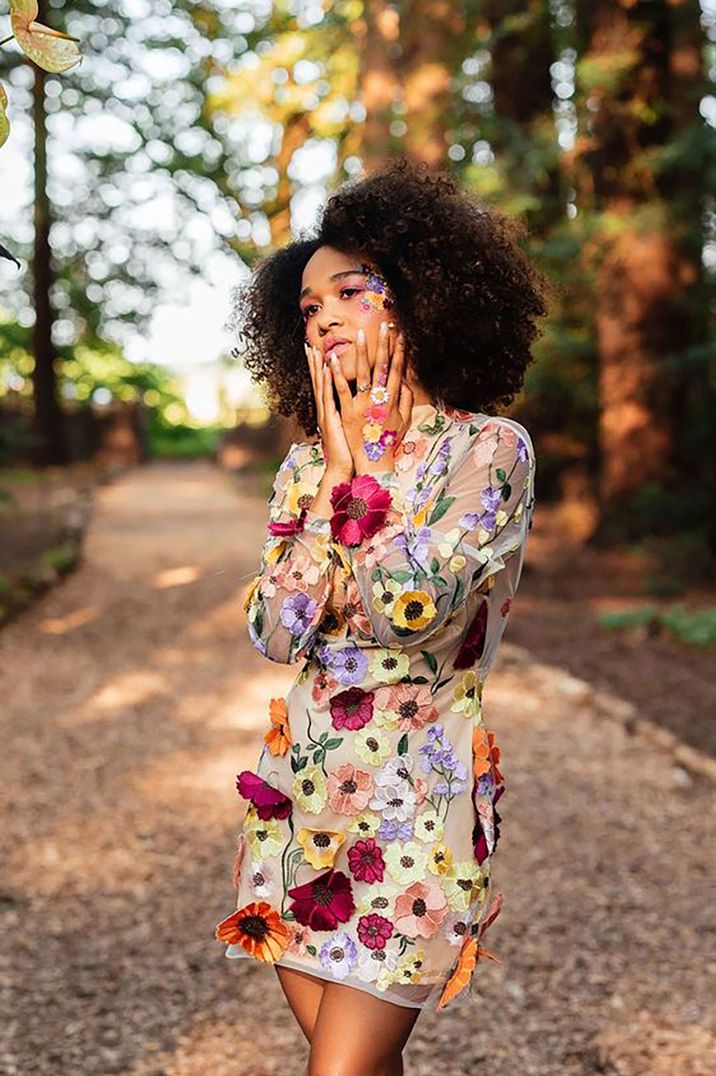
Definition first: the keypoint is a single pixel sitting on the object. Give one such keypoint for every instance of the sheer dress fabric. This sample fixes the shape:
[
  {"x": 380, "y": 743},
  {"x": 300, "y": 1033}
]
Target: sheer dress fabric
[{"x": 379, "y": 873}]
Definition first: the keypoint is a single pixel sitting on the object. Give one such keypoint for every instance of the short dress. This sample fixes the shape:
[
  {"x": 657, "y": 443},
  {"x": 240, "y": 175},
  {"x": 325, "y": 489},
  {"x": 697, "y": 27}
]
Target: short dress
[{"x": 366, "y": 849}]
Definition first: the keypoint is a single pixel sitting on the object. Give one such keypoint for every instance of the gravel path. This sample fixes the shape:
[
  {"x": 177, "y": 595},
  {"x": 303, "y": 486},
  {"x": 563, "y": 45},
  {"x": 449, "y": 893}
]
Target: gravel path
[{"x": 131, "y": 697}]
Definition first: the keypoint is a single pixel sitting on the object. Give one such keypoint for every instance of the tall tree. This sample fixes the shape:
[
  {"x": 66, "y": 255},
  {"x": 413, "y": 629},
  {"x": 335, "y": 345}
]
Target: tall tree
[{"x": 639, "y": 169}]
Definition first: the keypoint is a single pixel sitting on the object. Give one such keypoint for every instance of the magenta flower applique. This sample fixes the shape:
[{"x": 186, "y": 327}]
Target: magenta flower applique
[
  {"x": 324, "y": 902},
  {"x": 352, "y": 708},
  {"x": 365, "y": 859},
  {"x": 268, "y": 801},
  {"x": 289, "y": 529},
  {"x": 359, "y": 509},
  {"x": 374, "y": 930}
]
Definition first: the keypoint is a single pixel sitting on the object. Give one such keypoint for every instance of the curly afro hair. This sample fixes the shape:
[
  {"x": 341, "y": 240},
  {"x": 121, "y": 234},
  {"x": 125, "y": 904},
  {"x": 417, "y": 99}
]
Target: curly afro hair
[{"x": 467, "y": 295}]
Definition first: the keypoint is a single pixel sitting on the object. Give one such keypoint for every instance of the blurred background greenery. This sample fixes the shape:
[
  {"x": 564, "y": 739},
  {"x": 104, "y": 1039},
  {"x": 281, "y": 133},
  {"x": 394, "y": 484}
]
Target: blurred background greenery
[{"x": 196, "y": 131}]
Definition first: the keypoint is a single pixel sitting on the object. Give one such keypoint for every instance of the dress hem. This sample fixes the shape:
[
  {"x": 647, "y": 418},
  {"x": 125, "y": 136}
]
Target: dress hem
[{"x": 357, "y": 984}]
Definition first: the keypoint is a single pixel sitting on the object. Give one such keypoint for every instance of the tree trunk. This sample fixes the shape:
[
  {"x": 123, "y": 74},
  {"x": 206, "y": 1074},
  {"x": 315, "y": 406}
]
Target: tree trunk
[
  {"x": 48, "y": 420},
  {"x": 645, "y": 250}
]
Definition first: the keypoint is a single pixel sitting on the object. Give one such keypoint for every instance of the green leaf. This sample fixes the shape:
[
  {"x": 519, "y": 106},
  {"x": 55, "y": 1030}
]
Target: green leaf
[
  {"x": 317, "y": 756},
  {"x": 434, "y": 565},
  {"x": 431, "y": 660},
  {"x": 501, "y": 474},
  {"x": 506, "y": 491},
  {"x": 311, "y": 948},
  {"x": 402, "y": 576},
  {"x": 440, "y": 509},
  {"x": 302, "y": 763},
  {"x": 332, "y": 744},
  {"x": 403, "y": 744}
]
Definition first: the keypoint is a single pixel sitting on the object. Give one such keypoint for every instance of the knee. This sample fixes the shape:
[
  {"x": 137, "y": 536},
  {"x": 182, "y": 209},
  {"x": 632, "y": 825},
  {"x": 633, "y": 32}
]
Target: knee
[{"x": 337, "y": 1066}]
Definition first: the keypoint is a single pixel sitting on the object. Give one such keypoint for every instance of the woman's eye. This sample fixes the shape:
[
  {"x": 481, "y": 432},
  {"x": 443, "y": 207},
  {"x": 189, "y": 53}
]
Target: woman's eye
[{"x": 344, "y": 291}]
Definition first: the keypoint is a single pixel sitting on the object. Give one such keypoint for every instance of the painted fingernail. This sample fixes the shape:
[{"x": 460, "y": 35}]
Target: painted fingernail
[
  {"x": 333, "y": 357},
  {"x": 361, "y": 335},
  {"x": 383, "y": 327}
]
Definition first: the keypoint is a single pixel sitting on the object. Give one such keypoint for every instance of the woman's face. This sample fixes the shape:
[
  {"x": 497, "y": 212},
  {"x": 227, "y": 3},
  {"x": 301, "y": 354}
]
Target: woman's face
[{"x": 339, "y": 293}]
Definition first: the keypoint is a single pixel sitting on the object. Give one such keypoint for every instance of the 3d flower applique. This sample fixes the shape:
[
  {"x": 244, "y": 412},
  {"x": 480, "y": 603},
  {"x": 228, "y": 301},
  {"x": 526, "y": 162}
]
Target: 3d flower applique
[
  {"x": 365, "y": 861},
  {"x": 420, "y": 910},
  {"x": 469, "y": 955},
  {"x": 289, "y": 528},
  {"x": 360, "y": 508},
  {"x": 374, "y": 930},
  {"x": 278, "y": 737},
  {"x": 268, "y": 801},
  {"x": 352, "y": 708},
  {"x": 339, "y": 955},
  {"x": 324, "y": 902},
  {"x": 320, "y": 846},
  {"x": 257, "y": 927}
]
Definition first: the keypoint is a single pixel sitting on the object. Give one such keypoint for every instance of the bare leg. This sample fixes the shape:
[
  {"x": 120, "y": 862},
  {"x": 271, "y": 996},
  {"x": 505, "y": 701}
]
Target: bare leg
[
  {"x": 357, "y": 1034},
  {"x": 303, "y": 993}
]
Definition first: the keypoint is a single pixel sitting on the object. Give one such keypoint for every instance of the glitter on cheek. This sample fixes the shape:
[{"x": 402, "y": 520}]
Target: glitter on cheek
[{"x": 378, "y": 295}]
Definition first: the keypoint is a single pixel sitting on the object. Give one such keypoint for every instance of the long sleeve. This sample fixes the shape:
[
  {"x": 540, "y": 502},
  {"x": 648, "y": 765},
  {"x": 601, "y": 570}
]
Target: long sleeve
[
  {"x": 286, "y": 599},
  {"x": 467, "y": 513}
]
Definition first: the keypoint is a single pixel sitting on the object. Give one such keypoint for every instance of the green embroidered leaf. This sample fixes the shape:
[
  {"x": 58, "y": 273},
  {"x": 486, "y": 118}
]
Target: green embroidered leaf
[
  {"x": 431, "y": 660},
  {"x": 332, "y": 744},
  {"x": 506, "y": 491},
  {"x": 419, "y": 680},
  {"x": 402, "y": 576},
  {"x": 375, "y": 575},
  {"x": 501, "y": 474},
  {"x": 434, "y": 565},
  {"x": 403, "y": 744},
  {"x": 302, "y": 763},
  {"x": 317, "y": 756},
  {"x": 440, "y": 509},
  {"x": 311, "y": 948}
]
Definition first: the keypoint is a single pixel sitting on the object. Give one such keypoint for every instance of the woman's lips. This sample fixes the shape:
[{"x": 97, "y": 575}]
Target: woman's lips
[{"x": 337, "y": 347}]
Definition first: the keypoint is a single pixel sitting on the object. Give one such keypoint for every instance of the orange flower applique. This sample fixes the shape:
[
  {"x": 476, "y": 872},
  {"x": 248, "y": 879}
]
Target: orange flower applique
[
  {"x": 278, "y": 736},
  {"x": 480, "y": 751},
  {"x": 258, "y": 928},
  {"x": 495, "y": 757},
  {"x": 470, "y": 953}
]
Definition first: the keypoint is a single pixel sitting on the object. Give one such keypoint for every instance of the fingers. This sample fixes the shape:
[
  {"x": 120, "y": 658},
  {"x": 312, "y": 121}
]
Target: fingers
[
  {"x": 363, "y": 376},
  {"x": 397, "y": 366},
  {"x": 316, "y": 370},
  {"x": 405, "y": 406},
  {"x": 380, "y": 369},
  {"x": 344, "y": 393}
]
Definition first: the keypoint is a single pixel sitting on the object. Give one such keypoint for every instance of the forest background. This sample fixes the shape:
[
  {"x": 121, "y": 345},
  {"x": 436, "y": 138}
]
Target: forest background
[{"x": 591, "y": 122}]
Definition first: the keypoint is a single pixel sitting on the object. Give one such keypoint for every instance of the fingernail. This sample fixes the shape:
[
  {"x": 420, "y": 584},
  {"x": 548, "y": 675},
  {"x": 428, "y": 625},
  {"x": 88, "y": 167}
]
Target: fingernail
[
  {"x": 361, "y": 334},
  {"x": 383, "y": 327},
  {"x": 333, "y": 356}
]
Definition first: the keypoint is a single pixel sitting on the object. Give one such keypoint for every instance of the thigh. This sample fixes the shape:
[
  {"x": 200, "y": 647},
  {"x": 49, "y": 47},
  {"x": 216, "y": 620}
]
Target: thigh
[
  {"x": 358, "y": 1034},
  {"x": 303, "y": 993}
]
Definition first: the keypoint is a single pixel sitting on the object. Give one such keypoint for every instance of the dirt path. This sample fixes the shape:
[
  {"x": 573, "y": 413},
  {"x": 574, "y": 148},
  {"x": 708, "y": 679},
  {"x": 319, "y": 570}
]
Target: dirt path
[{"x": 131, "y": 697}]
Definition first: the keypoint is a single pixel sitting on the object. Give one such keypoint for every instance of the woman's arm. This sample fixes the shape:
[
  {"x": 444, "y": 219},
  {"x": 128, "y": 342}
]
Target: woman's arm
[
  {"x": 425, "y": 558},
  {"x": 286, "y": 600}
]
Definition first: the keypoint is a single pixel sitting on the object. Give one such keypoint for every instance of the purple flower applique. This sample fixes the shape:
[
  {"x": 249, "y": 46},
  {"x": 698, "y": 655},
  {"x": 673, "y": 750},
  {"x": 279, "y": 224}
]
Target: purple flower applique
[
  {"x": 297, "y": 613},
  {"x": 339, "y": 954},
  {"x": 391, "y": 829},
  {"x": 349, "y": 665}
]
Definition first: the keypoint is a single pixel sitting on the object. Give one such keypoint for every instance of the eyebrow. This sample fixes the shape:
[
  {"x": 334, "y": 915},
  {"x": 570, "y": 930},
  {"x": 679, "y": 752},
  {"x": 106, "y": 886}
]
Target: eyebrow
[{"x": 336, "y": 276}]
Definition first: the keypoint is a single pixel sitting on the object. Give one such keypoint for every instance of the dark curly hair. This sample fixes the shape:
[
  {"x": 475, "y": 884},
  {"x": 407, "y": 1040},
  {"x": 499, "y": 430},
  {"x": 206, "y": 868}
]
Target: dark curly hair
[{"x": 467, "y": 295}]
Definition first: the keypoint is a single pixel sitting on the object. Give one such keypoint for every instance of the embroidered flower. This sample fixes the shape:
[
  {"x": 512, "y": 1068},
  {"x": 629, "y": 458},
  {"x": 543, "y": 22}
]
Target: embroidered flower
[
  {"x": 374, "y": 930},
  {"x": 268, "y": 801},
  {"x": 378, "y": 898},
  {"x": 394, "y": 800},
  {"x": 375, "y": 965},
  {"x": 440, "y": 858},
  {"x": 349, "y": 789},
  {"x": 464, "y": 882},
  {"x": 366, "y": 824},
  {"x": 348, "y": 665},
  {"x": 420, "y": 910},
  {"x": 466, "y": 695},
  {"x": 388, "y": 666},
  {"x": 339, "y": 954},
  {"x": 372, "y": 746},
  {"x": 278, "y": 737},
  {"x": 320, "y": 846},
  {"x": 406, "y": 862},
  {"x": 365, "y": 860},
  {"x": 324, "y": 902},
  {"x": 264, "y": 838},
  {"x": 309, "y": 790},
  {"x": 429, "y": 826},
  {"x": 413, "y": 610},
  {"x": 412, "y": 704},
  {"x": 262, "y": 879},
  {"x": 258, "y": 928},
  {"x": 297, "y": 613},
  {"x": 352, "y": 708},
  {"x": 359, "y": 509},
  {"x": 474, "y": 642}
]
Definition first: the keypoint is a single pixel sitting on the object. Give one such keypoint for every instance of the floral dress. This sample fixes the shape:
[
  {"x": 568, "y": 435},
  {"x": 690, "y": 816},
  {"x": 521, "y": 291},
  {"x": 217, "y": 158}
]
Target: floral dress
[{"x": 365, "y": 853}]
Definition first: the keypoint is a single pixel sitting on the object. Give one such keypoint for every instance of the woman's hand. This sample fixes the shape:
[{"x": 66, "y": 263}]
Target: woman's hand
[
  {"x": 376, "y": 418},
  {"x": 339, "y": 460}
]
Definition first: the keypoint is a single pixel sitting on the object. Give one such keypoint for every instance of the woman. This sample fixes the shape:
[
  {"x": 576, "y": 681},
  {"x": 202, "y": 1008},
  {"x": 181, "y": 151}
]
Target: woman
[{"x": 395, "y": 547}]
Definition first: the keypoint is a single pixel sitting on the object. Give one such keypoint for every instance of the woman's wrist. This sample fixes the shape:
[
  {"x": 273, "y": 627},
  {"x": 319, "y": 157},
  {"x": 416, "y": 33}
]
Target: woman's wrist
[{"x": 321, "y": 503}]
